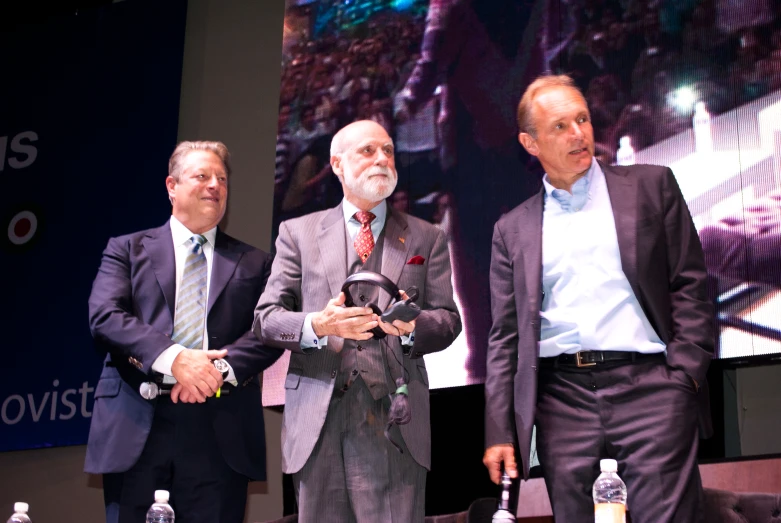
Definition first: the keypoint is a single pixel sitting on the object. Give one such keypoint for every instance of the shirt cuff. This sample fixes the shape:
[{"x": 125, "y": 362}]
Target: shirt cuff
[
  {"x": 165, "y": 361},
  {"x": 309, "y": 339},
  {"x": 408, "y": 340}
]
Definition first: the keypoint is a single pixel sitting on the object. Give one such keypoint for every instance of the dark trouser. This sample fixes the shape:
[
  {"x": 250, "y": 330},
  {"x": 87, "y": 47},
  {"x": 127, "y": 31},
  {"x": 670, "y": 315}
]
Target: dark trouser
[
  {"x": 644, "y": 415},
  {"x": 354, "y": 472},
  {"x": 181, "y": 455}
]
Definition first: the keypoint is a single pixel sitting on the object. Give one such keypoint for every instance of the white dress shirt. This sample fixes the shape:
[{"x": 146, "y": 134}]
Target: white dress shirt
[{"x": 181, "y": 237}]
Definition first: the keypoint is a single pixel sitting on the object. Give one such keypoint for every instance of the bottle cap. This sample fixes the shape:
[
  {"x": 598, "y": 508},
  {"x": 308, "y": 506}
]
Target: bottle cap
[
  {"x": 608, "y": 465},
  {"x": 161, "y": 496},
  {"x": 21, "y": 507}
]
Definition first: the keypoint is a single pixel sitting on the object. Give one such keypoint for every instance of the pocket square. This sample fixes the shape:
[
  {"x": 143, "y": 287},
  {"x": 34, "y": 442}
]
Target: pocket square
[{"x": 416, "y": 260}]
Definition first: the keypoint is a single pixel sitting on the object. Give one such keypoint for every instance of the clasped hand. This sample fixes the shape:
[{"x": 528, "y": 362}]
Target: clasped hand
[
  {"x": 354, "y": 323},
  {"x": 398, "y": 327},
  {"x": 196, "y": 377}
]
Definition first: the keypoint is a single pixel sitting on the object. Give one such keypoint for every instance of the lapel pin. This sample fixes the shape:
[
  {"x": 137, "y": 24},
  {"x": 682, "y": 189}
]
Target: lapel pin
[{"x": 401, "y": 239}]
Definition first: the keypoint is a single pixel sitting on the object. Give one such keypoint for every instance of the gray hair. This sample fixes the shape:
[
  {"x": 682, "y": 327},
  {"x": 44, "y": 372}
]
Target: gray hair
[
  {"x": 184, "y": 148},
  {"x": 337, "y": 143},
  {"x": 525, "y": 116}
]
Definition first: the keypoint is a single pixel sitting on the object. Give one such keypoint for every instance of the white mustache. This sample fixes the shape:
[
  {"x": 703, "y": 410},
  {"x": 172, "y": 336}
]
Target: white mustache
[{"x": 379, "y": 169}]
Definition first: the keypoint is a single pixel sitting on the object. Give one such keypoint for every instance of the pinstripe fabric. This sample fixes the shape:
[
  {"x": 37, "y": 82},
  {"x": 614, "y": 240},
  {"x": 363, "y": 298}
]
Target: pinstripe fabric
[
  {"x": 354, "y": 474},
  {"x": 308, "y": 271},
  {"x": 369, "y": 363},
  {"x": 191, "y": 303}
]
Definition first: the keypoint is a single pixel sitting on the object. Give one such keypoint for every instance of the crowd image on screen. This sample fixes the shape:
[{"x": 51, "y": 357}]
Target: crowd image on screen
[
  {"x": 641, "y": 65},
  {"x": 342, "y": 76}
]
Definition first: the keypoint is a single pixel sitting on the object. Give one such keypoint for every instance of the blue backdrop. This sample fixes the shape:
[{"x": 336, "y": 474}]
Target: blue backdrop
[{"x": 89, "y": 109}]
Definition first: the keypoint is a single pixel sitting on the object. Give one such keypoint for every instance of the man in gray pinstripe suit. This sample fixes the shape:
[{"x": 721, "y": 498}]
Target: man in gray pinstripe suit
[{"x": 337, "y": 391}]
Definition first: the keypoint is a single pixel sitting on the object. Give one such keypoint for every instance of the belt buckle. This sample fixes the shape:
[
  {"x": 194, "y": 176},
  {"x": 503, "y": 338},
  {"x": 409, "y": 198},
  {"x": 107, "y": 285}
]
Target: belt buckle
[{"x": 579, "y": 361}]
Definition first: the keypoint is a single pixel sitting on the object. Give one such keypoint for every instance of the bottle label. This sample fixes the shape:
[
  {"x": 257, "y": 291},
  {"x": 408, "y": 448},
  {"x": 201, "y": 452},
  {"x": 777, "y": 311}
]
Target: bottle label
[{"x": 609, "y": 513}]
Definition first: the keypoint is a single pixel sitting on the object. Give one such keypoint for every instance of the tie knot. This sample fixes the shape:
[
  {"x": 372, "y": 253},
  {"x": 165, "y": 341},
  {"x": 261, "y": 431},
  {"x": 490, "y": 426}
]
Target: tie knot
[
  {"x": 364, "y": 217},
  {"x": 197, "y": 242}
]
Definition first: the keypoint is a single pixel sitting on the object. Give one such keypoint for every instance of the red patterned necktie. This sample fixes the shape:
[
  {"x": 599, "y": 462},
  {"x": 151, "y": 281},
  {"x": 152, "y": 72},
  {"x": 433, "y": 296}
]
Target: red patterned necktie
[{"x": 364, "y": 240}]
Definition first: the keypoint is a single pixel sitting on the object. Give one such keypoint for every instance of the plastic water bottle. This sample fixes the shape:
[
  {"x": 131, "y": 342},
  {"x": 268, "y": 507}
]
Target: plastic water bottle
[
  {"x": 20, "y": 513},
  {"x": 609, "y": 494},
  {"x": 503, "y": 514},
  {"x": 160, "y": 511},
  {"x": 703, "y": 139},
  {"x": 625, "y": 154}
]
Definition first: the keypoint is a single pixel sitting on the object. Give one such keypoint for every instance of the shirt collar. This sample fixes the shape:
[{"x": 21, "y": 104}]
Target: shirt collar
[
  {"x": 182, "y": 234},
  {"x": 580, "y": 189},
  {"x": 380, "y": 211}
]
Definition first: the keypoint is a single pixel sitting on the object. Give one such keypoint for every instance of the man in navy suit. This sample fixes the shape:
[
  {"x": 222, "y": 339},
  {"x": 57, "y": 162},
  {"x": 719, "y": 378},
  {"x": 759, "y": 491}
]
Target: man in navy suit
[
  {"x": 175, "y": 303},
  {"x": 602, "y": 329}
]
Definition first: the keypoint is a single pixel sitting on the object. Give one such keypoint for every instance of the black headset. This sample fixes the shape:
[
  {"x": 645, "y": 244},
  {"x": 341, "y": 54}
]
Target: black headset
[{"x": 402, "y": 309}]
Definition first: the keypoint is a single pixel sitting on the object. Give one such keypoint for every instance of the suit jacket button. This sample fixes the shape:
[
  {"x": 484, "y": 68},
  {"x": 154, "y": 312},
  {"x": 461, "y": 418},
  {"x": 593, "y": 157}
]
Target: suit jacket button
[
  {"x": 333, "y": 374},
  {"x": 362, "y": 297},
  {"x": 359, "y": 347}
]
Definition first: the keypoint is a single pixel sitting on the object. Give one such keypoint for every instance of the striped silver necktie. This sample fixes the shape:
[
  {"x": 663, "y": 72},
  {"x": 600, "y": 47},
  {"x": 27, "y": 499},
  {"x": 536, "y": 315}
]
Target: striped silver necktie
[{"x": 191, "y": 303}]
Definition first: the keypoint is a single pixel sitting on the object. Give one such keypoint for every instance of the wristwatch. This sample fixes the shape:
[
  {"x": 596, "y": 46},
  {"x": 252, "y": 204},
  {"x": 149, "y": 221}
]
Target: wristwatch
[{"x": 222, "y": 367}]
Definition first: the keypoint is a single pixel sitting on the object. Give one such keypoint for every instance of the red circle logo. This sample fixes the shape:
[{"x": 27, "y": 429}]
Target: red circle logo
[{"x": 22, "y": 227}]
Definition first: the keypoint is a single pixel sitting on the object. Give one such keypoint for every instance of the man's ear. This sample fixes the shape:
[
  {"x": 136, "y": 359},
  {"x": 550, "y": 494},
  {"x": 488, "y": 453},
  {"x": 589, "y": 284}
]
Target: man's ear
[
  {"x": 336, "y": 164},
  {"x": 529, "y": 143},
  {"x": 170, "y": 184}
]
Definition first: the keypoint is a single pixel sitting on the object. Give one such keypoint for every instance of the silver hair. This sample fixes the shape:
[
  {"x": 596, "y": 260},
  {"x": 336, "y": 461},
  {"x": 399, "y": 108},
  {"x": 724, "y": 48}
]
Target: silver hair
[{"x": 184, "y": 148}]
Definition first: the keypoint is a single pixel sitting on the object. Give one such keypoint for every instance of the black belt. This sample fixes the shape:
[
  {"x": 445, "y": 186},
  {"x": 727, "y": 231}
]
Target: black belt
[{"x": 591, "y": 358}]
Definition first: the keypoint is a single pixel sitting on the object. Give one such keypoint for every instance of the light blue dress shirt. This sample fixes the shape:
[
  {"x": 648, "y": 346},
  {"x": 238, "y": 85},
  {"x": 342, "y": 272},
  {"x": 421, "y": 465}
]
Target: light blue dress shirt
[{"x": 587, "y": 302}]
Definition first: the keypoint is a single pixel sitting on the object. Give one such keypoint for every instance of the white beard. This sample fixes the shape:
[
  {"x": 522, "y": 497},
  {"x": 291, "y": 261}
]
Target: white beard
[{"x": 372, "y": 189}]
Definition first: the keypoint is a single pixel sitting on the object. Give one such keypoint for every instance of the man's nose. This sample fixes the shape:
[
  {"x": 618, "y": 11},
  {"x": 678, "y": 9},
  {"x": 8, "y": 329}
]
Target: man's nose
[{"x": 381, "y": 159}]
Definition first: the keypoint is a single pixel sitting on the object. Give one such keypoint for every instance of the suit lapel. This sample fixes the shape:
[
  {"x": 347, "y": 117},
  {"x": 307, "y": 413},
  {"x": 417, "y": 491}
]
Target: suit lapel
[
  {"x": 223, "y": 265},
  {"x": 333, "y": 247},
  {"x": 159, "y": 246},
  {"x": 394, "y": 250},
  {"x": 528, "y": 248},
  {"x": 623, "y": 200}
]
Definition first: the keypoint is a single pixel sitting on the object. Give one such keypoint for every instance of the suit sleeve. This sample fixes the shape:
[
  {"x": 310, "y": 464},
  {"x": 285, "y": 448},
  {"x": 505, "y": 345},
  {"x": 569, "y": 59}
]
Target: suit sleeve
[
  {"x": 247, "y": 355},
  {"x": 111, "y": 319},
  {"x": 278, "y": 318},
  {"x": 439, "y": 322},
  {"x": 691, "y": 345},
  {"x": 502, "y": 357}
]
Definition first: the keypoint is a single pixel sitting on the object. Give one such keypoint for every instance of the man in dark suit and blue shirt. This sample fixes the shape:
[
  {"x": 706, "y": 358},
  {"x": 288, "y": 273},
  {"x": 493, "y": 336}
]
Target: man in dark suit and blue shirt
[
  {"x": 339, "y": 381},
  {"x": 602, "y": 331},
  {"x": 176, "y": 302}
]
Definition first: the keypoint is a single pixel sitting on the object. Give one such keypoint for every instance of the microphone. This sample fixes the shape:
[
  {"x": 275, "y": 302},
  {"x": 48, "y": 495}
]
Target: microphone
[
  {"x": 503, "y": 514},
  {"x": 150, "y": 390}
]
